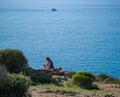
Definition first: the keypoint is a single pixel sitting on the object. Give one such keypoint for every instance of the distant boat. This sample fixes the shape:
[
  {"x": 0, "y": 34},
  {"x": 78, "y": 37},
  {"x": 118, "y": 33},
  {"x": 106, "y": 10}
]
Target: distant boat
[{"x": 53, "y": 9}]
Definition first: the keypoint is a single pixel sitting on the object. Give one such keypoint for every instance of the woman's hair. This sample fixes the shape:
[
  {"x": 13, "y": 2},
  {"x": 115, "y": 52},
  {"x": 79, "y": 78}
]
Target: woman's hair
[{"x": 47, "y": 58}]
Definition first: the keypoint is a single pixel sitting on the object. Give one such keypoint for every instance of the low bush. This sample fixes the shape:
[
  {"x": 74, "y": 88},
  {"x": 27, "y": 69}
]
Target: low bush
[
  {"x": 17, "y": 86},
  {"x": 83, "y": 79},
  {"x": 14, "y": 60},
  {"x": 39, "y": 76},
  {"x": 3, "y": 77},
  {"x": 106, "y": 79}
]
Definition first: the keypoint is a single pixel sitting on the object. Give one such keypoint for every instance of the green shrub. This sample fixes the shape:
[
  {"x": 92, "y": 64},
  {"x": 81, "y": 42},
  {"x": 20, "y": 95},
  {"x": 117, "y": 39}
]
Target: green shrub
[
  {"x": 3, "y": 77},
  {"x": 107, "y": 79},
  {"x": 83, "y": 79},
  {"x": 14, "y": 60},
  {"x": 17, "y": 86},
  {"x": 39, "y": 76}
]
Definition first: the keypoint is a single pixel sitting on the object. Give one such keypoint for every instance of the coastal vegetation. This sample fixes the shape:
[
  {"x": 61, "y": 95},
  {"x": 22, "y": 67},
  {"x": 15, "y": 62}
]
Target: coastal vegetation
[
  {"x": 83, "y": 79},
  {"x": 17, "y": 79},
  {"x": 14, "y": 60},
  {"x": 13, "y": 85}
]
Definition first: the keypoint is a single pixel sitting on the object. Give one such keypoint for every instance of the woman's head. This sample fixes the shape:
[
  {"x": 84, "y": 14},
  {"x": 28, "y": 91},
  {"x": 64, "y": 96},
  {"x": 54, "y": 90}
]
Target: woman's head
[{"x": 47, "y": 58}]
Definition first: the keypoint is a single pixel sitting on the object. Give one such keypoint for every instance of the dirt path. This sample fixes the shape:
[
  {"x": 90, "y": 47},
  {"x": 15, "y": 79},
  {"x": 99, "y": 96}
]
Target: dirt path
[{"x": 38, "y": 92}]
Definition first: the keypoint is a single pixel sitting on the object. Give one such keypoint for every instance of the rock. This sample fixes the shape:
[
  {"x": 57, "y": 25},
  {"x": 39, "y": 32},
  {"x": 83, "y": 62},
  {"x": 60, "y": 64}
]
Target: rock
[
  {"x": 63, "y": 78},
  {"x": 48, "y": 91},
  {"x": 53, "y": 9},
  {"x": 56, "y": 77},
  {"x": 69, "y": 73},
  {"x": 109, "y": 96}
]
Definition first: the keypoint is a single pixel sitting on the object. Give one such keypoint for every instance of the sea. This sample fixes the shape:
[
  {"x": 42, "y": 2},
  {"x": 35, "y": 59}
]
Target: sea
[{"x": 76, "y": 37}]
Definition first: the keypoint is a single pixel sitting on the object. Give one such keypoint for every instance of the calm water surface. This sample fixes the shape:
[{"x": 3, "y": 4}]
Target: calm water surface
[{"x": 78, "y": 38}]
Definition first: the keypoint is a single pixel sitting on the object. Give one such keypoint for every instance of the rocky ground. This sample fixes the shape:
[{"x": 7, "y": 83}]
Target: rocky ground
[{"x": 109, "y": 90}]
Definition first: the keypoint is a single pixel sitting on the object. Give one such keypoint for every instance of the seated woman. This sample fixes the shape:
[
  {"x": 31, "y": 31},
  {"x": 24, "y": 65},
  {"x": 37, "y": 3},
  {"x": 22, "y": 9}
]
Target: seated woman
[{"x": 49, "y": 64}]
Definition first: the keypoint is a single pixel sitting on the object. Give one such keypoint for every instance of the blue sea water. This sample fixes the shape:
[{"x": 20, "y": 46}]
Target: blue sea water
[{"x": 76, "y": 37}]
